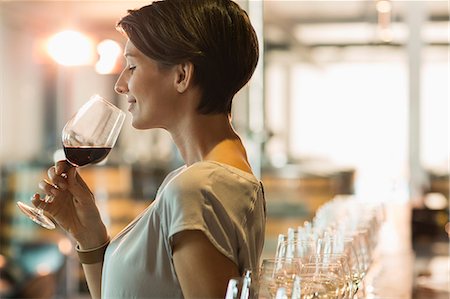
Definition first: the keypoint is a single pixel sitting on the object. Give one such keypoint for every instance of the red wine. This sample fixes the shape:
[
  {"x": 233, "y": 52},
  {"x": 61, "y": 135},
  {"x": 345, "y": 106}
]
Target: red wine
[{"x": 82, "y": 155}]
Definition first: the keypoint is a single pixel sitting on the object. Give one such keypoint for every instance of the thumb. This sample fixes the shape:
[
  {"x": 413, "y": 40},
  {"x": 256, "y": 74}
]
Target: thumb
[
  {"x": 76, "y": 185},
  {"x": 72, "y": 175}
]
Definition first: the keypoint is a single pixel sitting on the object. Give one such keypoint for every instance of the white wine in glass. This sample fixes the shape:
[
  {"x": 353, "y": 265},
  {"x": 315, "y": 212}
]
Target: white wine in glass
[{"x": 87, "y": 138}]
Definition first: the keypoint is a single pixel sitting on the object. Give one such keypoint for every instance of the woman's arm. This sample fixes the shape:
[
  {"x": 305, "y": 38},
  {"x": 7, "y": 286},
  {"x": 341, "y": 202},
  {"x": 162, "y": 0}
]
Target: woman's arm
[
  {"x": 73, "y": 208},
  {"x": 92, "y": 262},
  {"x": 93, "y": 274},
  {"x": 202, "y": 270}
]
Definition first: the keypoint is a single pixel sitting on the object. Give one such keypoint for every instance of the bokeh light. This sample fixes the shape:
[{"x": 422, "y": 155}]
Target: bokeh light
[
  {"x": 109, "y": 52},
  {"x": 71, "y": 48}
]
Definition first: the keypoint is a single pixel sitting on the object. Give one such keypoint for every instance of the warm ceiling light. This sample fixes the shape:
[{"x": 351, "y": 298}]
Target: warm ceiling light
[
  {"x": 334, "y": 33},
  {"x": 70, "y": 48},
  {"x": 384, "y": 6},
  {"x": 435, "y": 201},
  {"x": 109, "y": 52}
]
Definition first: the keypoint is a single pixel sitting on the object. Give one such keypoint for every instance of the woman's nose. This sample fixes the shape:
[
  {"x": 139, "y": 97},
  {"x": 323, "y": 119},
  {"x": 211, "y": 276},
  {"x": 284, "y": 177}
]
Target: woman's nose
[{"x": 120, "y": 88}]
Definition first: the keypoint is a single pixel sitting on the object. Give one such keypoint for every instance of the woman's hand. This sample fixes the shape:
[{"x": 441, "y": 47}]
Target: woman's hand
[{"x": 73, "y": 205}]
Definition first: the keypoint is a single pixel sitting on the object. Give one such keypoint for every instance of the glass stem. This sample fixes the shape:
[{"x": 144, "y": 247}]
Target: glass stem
[{"x": 43, "y": 204}]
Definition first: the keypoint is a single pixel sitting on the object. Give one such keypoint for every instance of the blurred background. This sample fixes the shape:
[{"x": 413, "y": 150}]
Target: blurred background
[{"x": 349, "y": 98}]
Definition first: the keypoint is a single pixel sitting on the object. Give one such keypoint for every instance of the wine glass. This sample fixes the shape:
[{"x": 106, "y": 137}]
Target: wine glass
[
  {"x": 87, "y": 138},
  {"x": 278, "y": 273},
  {"x": 296, "y": 249},
  {"x": 342, "y": 260},
  {"x": 323, "y": 280},
  {"x": 241, "y": 287}
]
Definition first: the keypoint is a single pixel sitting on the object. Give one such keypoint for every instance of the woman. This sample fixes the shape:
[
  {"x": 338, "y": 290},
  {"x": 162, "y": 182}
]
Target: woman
[{"x": 186, "y": 59}]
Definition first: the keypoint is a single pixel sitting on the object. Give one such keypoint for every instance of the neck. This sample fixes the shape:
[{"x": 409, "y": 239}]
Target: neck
[
  {"x": 209, "y": 137},
  {"x": 197, "y": 135}
]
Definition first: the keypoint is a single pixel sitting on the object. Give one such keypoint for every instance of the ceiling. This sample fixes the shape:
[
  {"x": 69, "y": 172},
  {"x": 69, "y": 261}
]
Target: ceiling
[
  {"x": 44, "y": 16},
  {"x": 313, "y": 11},
  {"x": 293, "y": 23},
  {"x": 281, "y": 17}
]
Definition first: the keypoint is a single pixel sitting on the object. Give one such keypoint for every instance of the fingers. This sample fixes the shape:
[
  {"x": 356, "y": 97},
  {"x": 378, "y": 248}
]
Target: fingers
[
  {"x": 49, "y": 188},
  {"x": 62, "y": 167},
  {"x": 37, "y": 200},
  {"x": 60, "y": 181},
  {"x": 58, "y": 174},
  {"x": 65, "y": 176}
]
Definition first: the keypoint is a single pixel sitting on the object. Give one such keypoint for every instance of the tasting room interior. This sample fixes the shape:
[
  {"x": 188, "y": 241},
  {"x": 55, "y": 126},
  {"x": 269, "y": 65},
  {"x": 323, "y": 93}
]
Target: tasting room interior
[{"x": 350, "y": 99}]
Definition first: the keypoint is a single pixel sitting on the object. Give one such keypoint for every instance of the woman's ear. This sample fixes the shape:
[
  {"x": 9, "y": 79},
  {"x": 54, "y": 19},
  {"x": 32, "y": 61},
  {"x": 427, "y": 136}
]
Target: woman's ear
[{"x": 184, "y": 76}]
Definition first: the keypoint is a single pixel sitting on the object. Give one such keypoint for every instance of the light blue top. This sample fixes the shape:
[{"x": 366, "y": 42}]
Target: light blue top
[{"x": 224, "y": 202}]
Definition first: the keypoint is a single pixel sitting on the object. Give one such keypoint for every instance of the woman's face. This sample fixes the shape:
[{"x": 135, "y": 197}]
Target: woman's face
[{"x": 149, "y": 89}]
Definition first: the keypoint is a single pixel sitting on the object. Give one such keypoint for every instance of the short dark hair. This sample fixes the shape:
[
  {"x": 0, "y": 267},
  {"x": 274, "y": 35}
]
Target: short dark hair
[{"x": 215, "y": 35}]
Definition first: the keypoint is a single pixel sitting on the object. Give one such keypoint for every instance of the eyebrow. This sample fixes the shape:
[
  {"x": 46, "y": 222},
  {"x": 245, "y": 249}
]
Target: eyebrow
[{"x": 129, "y": 55}]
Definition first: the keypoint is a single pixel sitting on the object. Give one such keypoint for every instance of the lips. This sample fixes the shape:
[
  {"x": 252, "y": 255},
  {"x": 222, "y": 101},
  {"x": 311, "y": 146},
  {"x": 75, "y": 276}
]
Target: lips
[{"x": 132, "y": 102}]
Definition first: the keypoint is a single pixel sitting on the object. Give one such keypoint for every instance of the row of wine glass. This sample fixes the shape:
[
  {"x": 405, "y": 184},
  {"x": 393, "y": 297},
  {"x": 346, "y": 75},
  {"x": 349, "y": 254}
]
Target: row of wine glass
[{"x": 325, "y": 258}]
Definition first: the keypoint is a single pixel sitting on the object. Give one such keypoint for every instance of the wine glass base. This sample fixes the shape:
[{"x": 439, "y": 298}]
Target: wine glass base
[{"x": 36, "y": 216}]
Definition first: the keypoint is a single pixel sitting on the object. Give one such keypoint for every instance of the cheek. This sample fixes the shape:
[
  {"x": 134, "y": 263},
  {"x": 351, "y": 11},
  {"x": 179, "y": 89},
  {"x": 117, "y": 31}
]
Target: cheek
[
  {"x": 133, "y": 86},
  {"x": 142, "y": 88}
]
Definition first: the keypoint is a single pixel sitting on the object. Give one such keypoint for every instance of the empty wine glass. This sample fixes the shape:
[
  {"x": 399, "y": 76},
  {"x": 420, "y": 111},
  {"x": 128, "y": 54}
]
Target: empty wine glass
[
  {"x": 87, "y": 138},
  {"x": 296, "y": 249}
]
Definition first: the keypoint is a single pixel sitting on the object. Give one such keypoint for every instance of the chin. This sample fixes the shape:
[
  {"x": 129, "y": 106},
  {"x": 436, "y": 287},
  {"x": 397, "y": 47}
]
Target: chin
[
  {"x": 141, "y": 125},
  {"x": 138, "y": 125}
]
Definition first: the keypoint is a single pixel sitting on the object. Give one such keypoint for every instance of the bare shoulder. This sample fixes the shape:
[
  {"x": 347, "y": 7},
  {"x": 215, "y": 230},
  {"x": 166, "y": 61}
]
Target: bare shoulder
[{"x": 232, "y": 153}]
